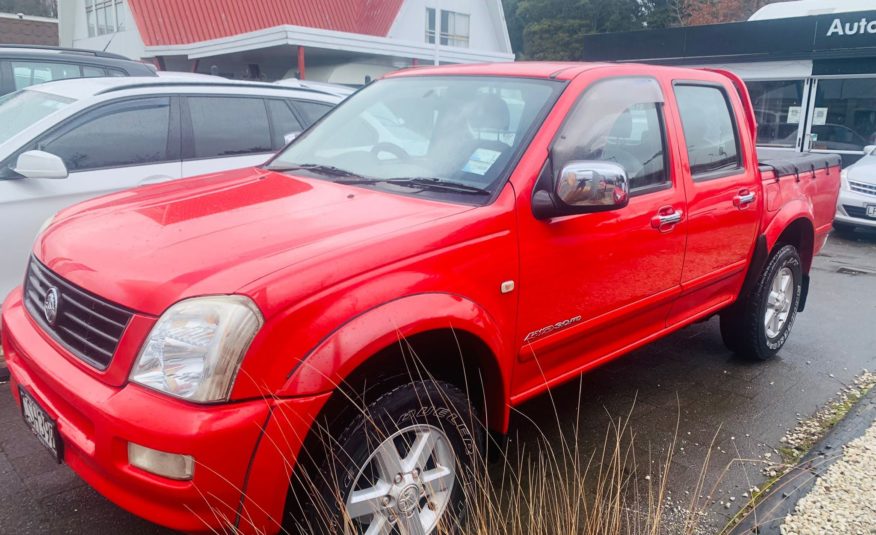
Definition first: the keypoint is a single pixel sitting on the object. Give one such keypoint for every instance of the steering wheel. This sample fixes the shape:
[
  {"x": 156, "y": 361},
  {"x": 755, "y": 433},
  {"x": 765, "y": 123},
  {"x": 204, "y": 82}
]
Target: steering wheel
[{"x": 392, "y": 148}]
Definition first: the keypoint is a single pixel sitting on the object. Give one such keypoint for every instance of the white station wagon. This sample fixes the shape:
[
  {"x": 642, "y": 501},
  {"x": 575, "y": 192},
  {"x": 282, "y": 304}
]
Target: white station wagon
[{"x": 67, "y": 141}]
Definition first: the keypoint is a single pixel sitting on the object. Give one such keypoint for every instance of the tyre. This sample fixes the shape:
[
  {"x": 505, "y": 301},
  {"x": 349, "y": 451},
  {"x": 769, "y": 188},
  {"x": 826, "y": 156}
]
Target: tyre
[
  {"x": 400, "y": 466},
  {"x": 758, "y": 326}
]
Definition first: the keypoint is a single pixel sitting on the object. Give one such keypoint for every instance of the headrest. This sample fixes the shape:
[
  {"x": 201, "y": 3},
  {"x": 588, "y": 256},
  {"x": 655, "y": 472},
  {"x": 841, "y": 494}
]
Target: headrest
[{"x": 490, "y": 112}]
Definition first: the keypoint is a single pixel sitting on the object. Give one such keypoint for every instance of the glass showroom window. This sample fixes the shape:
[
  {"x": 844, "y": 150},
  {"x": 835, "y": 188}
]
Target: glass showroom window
[
  {"x": 454, "y": 29},
  {"x": 844, "y": 116},
  {"x": 778, "y": 107},
  {"x": 104, "y": 16}
]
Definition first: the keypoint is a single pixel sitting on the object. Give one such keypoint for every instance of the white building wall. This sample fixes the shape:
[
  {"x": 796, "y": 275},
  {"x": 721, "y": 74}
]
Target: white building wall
[
  {"x": 73, "y": 32},
  {"x": 487, "y": 30}
]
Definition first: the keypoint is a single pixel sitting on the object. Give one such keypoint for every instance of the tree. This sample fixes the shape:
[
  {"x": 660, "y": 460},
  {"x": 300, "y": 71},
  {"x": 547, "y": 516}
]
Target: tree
[
  {"x": 718, "y": 11},
  {"x": 553, "y": 29},
  {"x": 554, "y": 40}
]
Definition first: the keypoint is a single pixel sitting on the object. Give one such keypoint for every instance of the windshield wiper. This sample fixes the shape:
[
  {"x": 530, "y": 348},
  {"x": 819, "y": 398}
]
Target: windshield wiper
[
  {"x": 438, "y": 184},
  {"x": 328, "y": 170}
]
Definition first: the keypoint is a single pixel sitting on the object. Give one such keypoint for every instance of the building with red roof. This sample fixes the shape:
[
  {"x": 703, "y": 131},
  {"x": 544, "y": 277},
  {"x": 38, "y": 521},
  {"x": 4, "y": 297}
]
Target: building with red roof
[{"x": 339, "y": 41}]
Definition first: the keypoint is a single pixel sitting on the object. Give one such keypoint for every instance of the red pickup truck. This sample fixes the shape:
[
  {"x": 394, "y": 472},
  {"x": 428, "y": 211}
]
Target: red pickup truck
[{"x": 323, "y": 343}]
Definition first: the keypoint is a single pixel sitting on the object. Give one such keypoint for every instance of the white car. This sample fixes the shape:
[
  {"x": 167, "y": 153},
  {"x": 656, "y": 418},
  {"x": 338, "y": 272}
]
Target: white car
[
  {"x": 342, "y": 91},
  {"x": 856, "y": 206},
  {"x": 67, "y": 141}
]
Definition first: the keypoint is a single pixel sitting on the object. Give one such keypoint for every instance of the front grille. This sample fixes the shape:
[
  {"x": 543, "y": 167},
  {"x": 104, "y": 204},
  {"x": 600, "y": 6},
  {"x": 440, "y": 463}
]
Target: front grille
[
  {"x": 860, "y": 187},
  {"x": 856, "y": 211},
  {"x": 88, "y": 326}
]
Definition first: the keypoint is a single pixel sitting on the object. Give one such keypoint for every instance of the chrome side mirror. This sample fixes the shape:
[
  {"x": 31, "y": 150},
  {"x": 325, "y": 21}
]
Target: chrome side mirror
[
  {"x": 592, "y": 184},
  {"x": 40, "y": 164},
  {"x": 582, "y": 187}
]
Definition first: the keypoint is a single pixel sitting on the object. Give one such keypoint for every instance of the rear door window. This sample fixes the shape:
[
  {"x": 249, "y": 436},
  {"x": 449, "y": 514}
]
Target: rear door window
[
  {"x": 28, "y": 73},
  {"x": 312, "y": 111},
  {"x": 133, "y": 132},
  {"x": 284, "y": 121},
  {"x": 709, "y": 130},
  {"x": 92, "y": 72},
  {"x": 228, "y": 126}
]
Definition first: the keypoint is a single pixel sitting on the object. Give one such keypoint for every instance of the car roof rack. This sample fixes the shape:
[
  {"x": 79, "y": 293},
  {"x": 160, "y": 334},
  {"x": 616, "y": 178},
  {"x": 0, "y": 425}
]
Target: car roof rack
[
  {"x": 195, "y": 83},
  {"x": 81, "y": 51}
]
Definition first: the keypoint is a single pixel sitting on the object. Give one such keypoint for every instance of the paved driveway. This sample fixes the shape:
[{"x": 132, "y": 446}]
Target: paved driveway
[{"x": 691, "y": 371}]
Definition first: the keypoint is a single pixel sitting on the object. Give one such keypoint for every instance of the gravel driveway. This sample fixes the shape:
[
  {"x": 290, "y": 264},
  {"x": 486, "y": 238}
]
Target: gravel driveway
[{"x": 844, "y": 499}]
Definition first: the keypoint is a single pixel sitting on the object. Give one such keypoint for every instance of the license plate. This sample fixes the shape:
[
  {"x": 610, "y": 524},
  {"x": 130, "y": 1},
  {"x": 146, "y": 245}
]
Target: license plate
[
  {"x": 871, "y": 210},
  {"x": 41, "y": 424}
]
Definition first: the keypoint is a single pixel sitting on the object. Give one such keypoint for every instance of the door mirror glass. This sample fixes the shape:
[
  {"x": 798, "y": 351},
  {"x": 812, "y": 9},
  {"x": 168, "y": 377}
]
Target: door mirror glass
[
  {"x": 40, "y": 164},
  {"x": 290, "y": 137},
  {"x": 592, "y": 186}
]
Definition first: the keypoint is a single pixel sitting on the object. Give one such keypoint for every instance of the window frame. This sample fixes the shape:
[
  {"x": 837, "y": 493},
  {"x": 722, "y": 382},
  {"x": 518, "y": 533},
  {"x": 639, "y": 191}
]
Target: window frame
[
  {"x": 454, "y": 39},
  {"x": 111, "y": 9},
  {"x": 272, "y": 124},
  {"x": 438, "y": 32},
  {"x": 731, "y": 109},
  {"x": 669, "y": 183},
  {"x": 78, "y": 119},
  {"x": 187, "y": 153},
  {"x": 431, "y": 31},
  {"x": 302, "y": 116},
  {"x": 51, "y": 61}
]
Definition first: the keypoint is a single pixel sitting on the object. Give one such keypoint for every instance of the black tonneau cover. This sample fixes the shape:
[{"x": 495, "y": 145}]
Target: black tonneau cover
[{"x": 795, "y": 163}]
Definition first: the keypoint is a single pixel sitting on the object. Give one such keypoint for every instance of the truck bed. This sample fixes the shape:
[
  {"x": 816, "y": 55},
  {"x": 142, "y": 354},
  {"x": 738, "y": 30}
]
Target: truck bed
[{"x": 787, "y": 163}]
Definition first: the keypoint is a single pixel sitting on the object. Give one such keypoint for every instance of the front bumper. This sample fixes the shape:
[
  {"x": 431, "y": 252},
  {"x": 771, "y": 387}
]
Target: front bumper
[
  {"x": 851, "y": 208},
  {"x": 243, "y": 451}
]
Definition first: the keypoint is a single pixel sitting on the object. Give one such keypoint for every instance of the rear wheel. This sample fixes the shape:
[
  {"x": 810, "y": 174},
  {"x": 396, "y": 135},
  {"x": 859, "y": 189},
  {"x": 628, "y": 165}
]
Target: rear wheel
[
  {"x": 400, "y": 466},
  {"x": 758, "y": 326}
]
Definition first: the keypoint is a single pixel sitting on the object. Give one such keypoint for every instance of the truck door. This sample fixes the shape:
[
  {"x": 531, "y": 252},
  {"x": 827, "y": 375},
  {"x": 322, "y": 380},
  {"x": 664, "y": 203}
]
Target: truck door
[
  {"x": 594, "y": 284},
  {"x": 723, "y": 196}
]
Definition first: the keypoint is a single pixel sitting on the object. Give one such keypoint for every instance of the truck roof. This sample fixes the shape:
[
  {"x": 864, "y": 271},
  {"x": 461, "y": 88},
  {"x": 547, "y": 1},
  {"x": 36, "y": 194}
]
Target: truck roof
[{"x": 523, "y": 69}]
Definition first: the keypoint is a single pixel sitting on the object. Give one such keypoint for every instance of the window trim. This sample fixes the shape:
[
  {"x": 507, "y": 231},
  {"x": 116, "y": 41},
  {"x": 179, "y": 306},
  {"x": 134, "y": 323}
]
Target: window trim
[
  {"x": 664, "y": 132},
  {"x": 721, "y": 173},
  {"x": 74, "y": 121},
  {"x": 272, "y": 123},
  {"x": 303, "y": 117}
]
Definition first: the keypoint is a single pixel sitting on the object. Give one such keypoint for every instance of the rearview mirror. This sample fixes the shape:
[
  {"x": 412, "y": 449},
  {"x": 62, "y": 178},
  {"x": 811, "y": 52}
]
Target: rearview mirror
[
  {"x": 870, "y": 149},
  {"x": 583, "y": 187},
  {"x": 40, "y": 164}
]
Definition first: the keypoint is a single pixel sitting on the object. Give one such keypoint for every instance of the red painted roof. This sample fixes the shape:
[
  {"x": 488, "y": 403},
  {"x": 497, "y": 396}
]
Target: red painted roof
[{"x": 179, "y": 22}]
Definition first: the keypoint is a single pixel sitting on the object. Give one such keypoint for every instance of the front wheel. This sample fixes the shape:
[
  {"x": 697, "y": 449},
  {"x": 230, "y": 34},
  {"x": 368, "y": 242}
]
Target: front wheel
[
  {"x": 400, "y": 466},
  {"x": 760, "y": 324}
]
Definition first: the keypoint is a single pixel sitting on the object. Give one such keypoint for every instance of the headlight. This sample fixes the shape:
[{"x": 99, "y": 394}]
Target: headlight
[
  {"x": 844, "y": 179},
  {"x": 196, "y": 347}
]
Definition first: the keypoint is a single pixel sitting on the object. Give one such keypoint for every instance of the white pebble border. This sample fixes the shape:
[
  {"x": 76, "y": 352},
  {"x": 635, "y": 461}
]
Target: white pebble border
[{"x": 843, "y": 501}]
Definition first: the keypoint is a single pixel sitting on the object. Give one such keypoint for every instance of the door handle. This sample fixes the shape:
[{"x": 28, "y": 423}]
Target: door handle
[
  {"x": 744, "y": 198},
  {"x": 665, "y": 218}
]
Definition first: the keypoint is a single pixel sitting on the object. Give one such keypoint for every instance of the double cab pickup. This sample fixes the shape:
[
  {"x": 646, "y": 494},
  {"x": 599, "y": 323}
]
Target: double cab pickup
[{"x": 323, "y": 343}]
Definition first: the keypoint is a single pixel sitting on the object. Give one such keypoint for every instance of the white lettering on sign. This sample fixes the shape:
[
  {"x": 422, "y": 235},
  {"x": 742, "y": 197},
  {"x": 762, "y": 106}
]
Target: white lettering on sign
[{"x": 851, "y": 28}]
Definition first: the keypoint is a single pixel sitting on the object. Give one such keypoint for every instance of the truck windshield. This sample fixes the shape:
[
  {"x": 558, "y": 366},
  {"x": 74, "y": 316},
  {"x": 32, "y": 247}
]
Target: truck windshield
[
  {"x": 23, "y": 108},
  {"x": 453, "y": 136}
]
